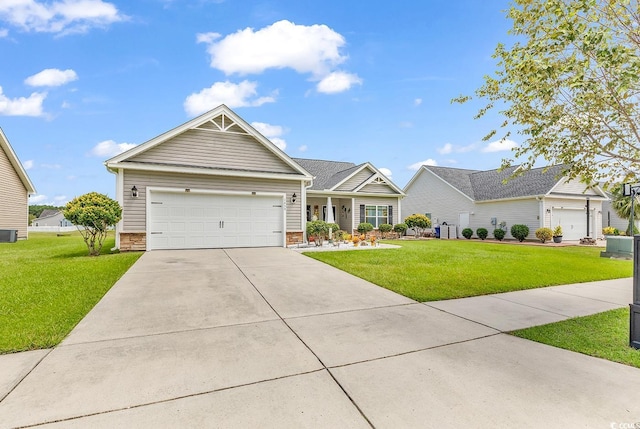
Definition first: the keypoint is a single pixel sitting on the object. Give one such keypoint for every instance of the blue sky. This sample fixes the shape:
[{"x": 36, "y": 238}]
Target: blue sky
[{"x": 351, "y": 81}]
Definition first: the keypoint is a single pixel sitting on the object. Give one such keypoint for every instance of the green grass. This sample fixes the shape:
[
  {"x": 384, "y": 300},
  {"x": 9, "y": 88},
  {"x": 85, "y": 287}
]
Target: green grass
[
  {"x": 604, "y": 335},
  {"x": 443, "y": 269},
  {"x": 47, "y": 285}
]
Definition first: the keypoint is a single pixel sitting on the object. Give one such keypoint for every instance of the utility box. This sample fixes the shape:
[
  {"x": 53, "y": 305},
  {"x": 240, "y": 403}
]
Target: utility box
[
  {"x": 448, "y": 232},
  {"x": 8, "y": 235}
]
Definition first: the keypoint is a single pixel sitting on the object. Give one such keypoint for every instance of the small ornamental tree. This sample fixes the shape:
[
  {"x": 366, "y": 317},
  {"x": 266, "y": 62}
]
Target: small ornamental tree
[
  {"x": 317, "y": 229},
  {"x": 418, "y": 222},
  {"x": 93, "y": 214},
  {"x": 544, "y": 234}
]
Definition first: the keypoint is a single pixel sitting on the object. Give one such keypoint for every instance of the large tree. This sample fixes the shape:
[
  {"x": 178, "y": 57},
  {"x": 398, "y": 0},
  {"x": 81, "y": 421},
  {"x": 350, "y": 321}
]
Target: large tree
[{"x": 569, "y": 82}]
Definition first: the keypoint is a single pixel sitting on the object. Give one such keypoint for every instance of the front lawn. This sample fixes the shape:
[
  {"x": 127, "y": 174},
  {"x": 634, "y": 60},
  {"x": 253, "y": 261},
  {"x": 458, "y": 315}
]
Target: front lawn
[
  {"x": 47, "y": 285},
  {"x": 604, "y": 335},
  {"x": 432, "y": 270}
]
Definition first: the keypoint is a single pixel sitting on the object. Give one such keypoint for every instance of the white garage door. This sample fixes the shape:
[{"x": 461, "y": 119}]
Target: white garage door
[
  {"x": 573, "y": 222},
  {"x": 203, "y": 221}
]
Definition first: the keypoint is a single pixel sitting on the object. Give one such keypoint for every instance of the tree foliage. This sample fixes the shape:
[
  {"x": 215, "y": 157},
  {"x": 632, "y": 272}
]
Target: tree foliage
[
  {"x": 93, "y": 214},
  {"x": 570, "y": 84},
  {"x": 418, "y": 222}
]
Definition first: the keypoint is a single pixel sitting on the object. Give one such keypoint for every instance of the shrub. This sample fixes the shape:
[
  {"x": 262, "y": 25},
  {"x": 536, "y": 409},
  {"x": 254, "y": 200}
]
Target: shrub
[
  {"x": 544, "y": 234},
  {"x": 385, "y": 228},
  {"x": 467, "y": 233},
  {"x": 519, "y": 232},
  {"x": 498, "y": 234},
  {"x": 364, "y": 227},
  {"x": 96, "y": 213},
  {"x": 346, "y": 237},
  {"x": 418, "y": 222},
  {"x": 609, "y": 230},
  {"x": 482, "y": 233},
  {"x": 400, "y": 228},
  {"x": 557, "y": 231}
]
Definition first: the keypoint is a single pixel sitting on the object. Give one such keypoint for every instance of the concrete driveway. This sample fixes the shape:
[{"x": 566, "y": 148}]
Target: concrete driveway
[{"x": 270, "y": 338}]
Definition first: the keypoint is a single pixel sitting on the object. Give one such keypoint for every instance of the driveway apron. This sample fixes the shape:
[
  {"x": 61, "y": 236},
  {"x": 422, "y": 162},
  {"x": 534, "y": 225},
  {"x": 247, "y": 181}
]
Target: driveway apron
[{"x": 270, "y": 338}]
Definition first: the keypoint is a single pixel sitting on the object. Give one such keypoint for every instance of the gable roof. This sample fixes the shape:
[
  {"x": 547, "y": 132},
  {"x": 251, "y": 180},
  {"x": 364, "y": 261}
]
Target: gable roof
[
  {"x": 328, "y": 175},
  {"x": 490, "y": 185},
  {"x": 48, "y": 213},
  {"x": 15, "y": 162},
  {"x": 205, "y": 120}
]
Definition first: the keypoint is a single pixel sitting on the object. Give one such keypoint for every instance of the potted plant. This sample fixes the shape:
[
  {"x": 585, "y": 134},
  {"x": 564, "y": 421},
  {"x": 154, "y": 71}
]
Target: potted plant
[{"x": 557, "y": 234}]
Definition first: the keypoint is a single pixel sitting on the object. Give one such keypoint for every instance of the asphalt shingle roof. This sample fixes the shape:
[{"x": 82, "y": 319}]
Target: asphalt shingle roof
[
  {"x": 489, "y": 185},
  {"x": 327, "y": 173}
]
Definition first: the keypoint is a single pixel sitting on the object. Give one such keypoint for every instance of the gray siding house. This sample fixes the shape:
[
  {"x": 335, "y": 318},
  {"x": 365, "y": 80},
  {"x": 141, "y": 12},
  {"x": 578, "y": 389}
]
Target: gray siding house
[
  {"x": 216, "y": 182},
  {"x": 537, "y": 198},
  {"x": 51, "y": 218},
  {"x": 15, "y": 188}
]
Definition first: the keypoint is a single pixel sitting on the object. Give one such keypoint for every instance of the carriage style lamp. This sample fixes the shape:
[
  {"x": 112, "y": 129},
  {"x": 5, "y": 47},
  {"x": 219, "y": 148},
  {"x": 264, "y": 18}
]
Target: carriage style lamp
[
  {"x": 134, "y": 192},
  {"x": 293, "y": 198}
]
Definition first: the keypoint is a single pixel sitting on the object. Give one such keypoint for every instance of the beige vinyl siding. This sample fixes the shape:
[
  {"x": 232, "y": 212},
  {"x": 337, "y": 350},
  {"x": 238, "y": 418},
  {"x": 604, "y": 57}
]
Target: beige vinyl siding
[
  {"x": 134, "y": 213},
  {"x": 355, "y": 181},
  {"x": 375, "y": 201},
  {"x": 13, "y": 198},
  {"x": 573, "y": 187},
  {"x": 429, "y": 194},
  {"x": 214, "y": 149},
  {"x": 377, "y": 188},
  {"x": 525, "y": 211}
]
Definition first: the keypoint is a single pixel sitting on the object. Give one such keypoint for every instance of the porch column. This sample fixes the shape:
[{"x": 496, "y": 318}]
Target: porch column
[{"x": 330, "y": 218}]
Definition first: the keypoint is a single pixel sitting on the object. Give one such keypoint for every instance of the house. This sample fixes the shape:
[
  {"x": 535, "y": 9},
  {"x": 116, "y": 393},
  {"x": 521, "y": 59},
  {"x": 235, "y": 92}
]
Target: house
[
  {"x": 540, "y": 197},
  {"x": 51, "y": 218},
  {"x": 355, "y": 193},
  {"x": 15, "y": 188},
  {"x": 216, "y": 182}
]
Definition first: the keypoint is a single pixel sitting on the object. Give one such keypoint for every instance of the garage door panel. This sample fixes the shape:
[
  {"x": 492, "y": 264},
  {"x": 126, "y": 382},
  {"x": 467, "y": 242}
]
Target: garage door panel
[
  {"x": 573, "y": 223},
  {"x": 191, "y": 221}
]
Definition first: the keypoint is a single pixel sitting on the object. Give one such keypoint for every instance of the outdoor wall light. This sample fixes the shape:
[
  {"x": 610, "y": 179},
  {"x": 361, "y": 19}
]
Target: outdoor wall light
[
  {"x": 134, "y": 192},
  {"x": 548, "y": 210},
  {"x": 293, "y": 198}
]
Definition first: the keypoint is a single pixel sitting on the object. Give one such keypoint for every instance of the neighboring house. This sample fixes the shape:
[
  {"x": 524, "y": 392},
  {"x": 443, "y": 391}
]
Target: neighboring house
[
  {"x": 216, "y": 182},
  {"x": 51, "y": 218},
  {"x": 611, "y": 218},
  {"x": 536, "y": 198},
  {"x": 15, "y": 188},
  {"x": 356, "y": 194}
]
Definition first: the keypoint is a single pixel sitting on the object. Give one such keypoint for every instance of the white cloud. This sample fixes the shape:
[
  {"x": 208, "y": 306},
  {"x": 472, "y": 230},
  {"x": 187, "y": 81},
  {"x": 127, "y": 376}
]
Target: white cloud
[
  {"x": 311, "y": 49},
  {"x": 303, "y": 148},
  {"x": 417, "y": 101},
  {"x": 22, "y": 106},
  {"x": 500, "y": 146},
  {"x": 417, "y": 165},
  {"x": 3, "y": 32},
  {"x": 386, "y": 172},
  {"x": 61, "y": 199},
  {"x": 207, "y": 38},
  {"x": 446, "y": 149},
  {"x": 110, "y": 148},
  {"x": 64, "y": 16},
  {"x": 35, "y": 199},
  {"x": 51, "y": 77},
  {"x": 28, "y": 164},
  {"x": 337, "y": 82},
  {"x": 272, "y": 132},
  {"x": 233, "y": 95}
]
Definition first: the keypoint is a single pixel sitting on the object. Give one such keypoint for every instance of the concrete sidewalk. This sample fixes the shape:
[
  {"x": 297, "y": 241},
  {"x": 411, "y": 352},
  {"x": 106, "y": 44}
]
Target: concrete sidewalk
[{"x": 270, "y": 338}]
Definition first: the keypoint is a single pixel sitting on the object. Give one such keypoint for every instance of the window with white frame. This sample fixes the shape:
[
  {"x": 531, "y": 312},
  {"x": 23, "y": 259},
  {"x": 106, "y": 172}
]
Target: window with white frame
[{"x": 376, "y": 215}]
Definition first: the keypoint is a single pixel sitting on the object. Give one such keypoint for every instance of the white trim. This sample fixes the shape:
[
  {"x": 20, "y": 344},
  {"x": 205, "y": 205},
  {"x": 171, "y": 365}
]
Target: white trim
[
  {"x": 120, "y": 199},
  {"x": 17, "y": 166},
  {"x": 203, "y": 171},
  {"x": 376, "y": 173},
  {"x": 353, "y": 215},
  {"x": 597, "y": 189},
  {"x": 356, "y": 171},
  {"x": 351, "y": 194},
  {"x": 151, "y": 189},
  {"x": 399, "y": 210},
  {"x": 208, "y": 116}
]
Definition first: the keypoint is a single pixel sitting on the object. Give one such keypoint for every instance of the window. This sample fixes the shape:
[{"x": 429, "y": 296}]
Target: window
[{"x": 377, "y": 215}]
